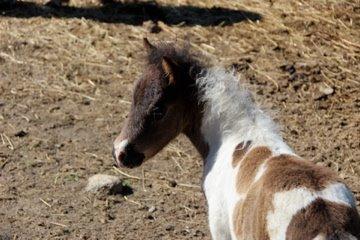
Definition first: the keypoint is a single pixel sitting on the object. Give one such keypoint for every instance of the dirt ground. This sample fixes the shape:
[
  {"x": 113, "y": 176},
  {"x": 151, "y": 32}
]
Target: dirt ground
[{"x": 66, "y": 76}]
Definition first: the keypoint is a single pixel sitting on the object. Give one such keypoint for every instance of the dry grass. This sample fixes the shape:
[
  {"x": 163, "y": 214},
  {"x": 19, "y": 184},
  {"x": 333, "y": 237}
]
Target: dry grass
[{"x": 66, "y": 80}]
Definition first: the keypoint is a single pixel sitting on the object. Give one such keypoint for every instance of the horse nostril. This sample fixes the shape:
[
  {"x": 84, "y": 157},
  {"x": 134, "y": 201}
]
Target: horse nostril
[
  {"x": 127, "y": 156},
  {"x": 132, "y": 158},
  {"x": 119, "y": 159}
]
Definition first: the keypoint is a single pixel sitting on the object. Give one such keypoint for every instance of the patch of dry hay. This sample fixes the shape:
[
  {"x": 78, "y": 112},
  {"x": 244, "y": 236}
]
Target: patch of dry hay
[{"x": 67, "y": 82}]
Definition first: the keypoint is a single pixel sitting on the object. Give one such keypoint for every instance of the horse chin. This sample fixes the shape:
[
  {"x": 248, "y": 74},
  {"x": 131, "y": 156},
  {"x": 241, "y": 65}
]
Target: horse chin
[
  {"x": 130, "y": 165},
  {"x": 132, "y": 160}
]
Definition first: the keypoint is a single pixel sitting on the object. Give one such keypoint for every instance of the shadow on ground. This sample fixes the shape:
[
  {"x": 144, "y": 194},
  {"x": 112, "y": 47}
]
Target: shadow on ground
[{"x": 135, "y": 13}]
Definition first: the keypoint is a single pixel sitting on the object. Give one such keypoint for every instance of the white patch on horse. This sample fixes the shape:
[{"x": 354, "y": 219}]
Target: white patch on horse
[
  {"x": 230, "y": 116},
  {"x": 338, "y": 193},
  {"x": 286, "y": 204},
  {"x": 230, "y": 109},
  {"x": 120, "y": 147}
]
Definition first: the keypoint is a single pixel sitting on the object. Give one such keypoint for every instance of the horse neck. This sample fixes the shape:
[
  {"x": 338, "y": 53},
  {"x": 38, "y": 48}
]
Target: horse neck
[
  {"x": 228, "y": 116},
  {"x": 255, "y": 127}
]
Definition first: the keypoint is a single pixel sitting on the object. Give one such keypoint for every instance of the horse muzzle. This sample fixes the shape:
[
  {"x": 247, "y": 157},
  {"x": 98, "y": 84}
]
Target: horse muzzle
[{"x": 126, "y": 155}]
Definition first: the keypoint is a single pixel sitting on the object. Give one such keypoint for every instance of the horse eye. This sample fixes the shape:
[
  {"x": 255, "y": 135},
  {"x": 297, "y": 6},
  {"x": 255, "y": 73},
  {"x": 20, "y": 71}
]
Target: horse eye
[{"x": 159, "y": 112}]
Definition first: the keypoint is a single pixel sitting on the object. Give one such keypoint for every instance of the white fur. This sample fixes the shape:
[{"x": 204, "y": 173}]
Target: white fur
[
  {"x": 120, "y": 147},
  {"x": 286, "y": 204},
  {"x": 232, "y": 117},
  {"x": 231, "y": 110},
  {"x": 219, "y": 187},
  {"x": 338, "y": 193}
]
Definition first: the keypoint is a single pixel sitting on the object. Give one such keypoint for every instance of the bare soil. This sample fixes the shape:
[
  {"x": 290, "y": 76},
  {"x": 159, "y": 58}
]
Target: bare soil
[{"x": 66, "y": 76}]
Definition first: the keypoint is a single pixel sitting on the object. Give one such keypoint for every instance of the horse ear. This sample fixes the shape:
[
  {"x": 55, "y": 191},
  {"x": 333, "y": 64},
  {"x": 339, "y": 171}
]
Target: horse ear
[
  {"x": 169, "y": 67},
  {"x": 147, "y": 45}
]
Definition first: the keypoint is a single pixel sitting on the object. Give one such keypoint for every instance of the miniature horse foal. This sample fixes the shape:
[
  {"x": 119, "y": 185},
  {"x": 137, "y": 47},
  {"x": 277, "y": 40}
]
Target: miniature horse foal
[{"x": 256, "y": 187}]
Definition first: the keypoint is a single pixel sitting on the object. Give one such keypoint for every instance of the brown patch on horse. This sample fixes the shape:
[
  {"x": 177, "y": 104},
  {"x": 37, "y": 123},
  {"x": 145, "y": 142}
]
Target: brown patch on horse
[
  {"x": 283, "y": 173},
  {"x": 240, "y": 151},
  {"x": 250, "y": 214},
  {"x": 238, "y": 219},
  {"x": 286, "y": 172},
  {"x": 332, "y": 220},
  {"x": 249, "y": 166}
]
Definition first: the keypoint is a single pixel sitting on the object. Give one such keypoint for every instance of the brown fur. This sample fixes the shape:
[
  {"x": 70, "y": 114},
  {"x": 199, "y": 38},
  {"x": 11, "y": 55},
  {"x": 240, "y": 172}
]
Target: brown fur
[
  {"x": 240, "y": 151},
  {"x": 250, "y": 214},
  {"x": 283, "y": 172},
  {"x": 165, "y": 103},
  {"x": 324, "y": 217},
  {"x": 249, "y": 166},
  {"x": 286, "y": 172}
]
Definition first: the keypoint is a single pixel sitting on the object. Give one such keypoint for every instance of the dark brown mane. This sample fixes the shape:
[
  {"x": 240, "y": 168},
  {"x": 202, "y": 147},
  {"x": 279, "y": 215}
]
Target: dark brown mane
[{"x": 181, "y": 56}]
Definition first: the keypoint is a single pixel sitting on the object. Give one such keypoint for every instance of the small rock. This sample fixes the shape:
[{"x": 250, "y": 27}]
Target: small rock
[
  {"x": 59, "y": 145},
  {"x": 100, "y": 181},
  {"x": 326, "y": 89},
  {"x": 152, "y": 209},
  {"x": 323, "y": 91},
  {"x": 102, "y": 220},
  {"x": 111, "y": 185},
  {"x": 169, "y": 227},
  {"x": 86, "y": 101}
]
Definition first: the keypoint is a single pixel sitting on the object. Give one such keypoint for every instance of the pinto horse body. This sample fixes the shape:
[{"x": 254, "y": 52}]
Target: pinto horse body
[{"x": 256, "y": 187}]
